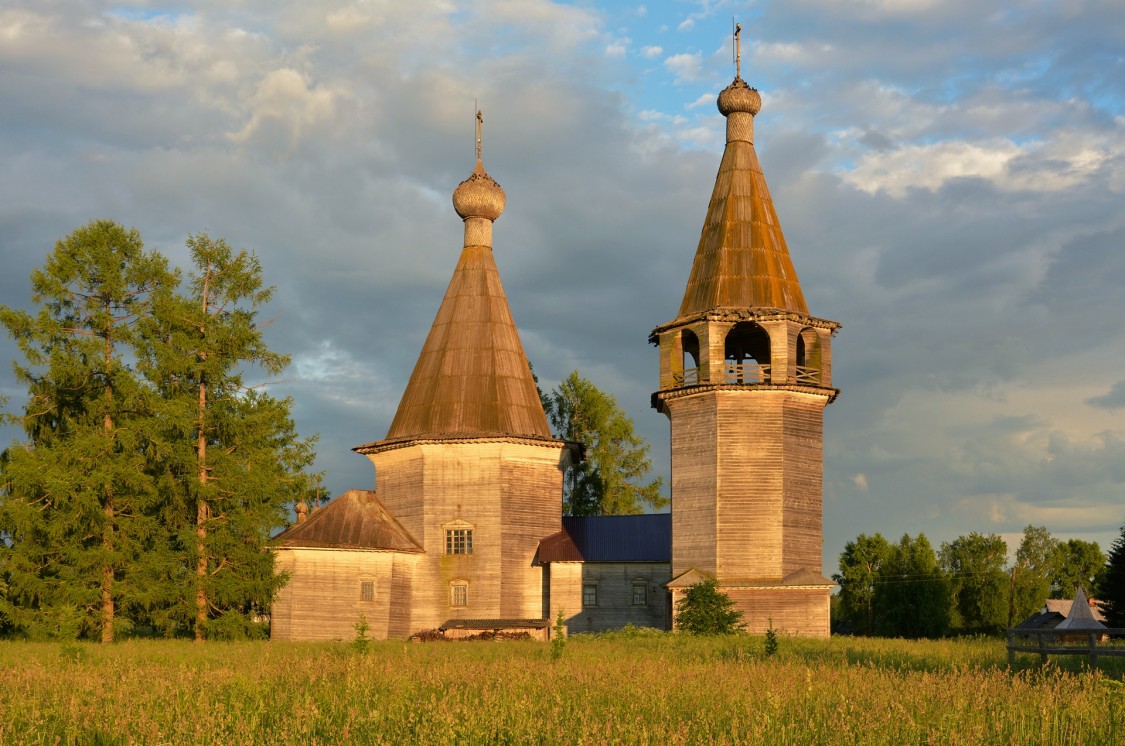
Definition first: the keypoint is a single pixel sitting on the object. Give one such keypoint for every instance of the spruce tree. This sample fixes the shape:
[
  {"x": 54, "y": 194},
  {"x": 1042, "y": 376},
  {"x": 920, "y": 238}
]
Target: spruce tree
[
  {"x": 1111, "y": 586},
  {"x": 229, "y": 457},
  {"x": 76, "y": 507}
]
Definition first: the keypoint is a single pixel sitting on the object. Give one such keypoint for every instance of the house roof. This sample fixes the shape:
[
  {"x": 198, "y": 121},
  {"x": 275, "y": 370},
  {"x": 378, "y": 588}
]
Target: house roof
[
  {"x": 472, "y": 378},
  {"x": 1080, "y": 616},
  {"x": 496, "y": 624},
  {"x": 610, "y": 538},
  {"x": 354, "y": 520},
  {"x": 742, "y": 259}
]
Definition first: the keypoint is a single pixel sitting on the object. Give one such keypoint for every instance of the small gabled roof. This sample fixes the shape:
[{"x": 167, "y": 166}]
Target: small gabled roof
[
  {"x": 689, "y": 578},
  {"x": 610, "y": 538},
  {"x": 1080, "y": 616},
  {"x": 495, "y": 624},
  {"x": 354, "y": 520}
]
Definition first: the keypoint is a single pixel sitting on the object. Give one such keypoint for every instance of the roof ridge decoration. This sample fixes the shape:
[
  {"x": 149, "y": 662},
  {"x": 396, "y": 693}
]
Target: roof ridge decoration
[
  {"x": 472, "y": 377},
  {"x": 742, "y": 259}
]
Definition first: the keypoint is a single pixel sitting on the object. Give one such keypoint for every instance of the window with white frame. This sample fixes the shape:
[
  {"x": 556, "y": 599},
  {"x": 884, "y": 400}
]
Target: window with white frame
[
  {"x": 459, "y": 593},
  {"x": 458, "y": 541},
  {"x": 367, "y": 590},
  {"x": 640, "y": 593},
  {"x": 590, "y": 594}
]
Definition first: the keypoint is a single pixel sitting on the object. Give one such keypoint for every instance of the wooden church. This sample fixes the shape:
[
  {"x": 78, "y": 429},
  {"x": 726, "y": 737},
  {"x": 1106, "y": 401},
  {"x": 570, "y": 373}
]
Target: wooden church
[{"x": 465, "y": 531}]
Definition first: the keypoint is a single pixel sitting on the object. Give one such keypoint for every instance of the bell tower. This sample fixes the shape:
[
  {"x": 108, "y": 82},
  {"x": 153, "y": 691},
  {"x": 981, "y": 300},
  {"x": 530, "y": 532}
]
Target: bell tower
[{"x": 745, "y": 374}]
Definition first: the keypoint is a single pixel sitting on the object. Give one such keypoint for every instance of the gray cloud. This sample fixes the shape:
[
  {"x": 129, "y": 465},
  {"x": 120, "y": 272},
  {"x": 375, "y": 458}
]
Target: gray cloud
[{"x": 949, "y": 188}]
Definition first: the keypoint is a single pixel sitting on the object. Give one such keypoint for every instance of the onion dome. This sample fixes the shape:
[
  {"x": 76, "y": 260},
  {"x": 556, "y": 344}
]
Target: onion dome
[
  {"x": 479, "y": 196},
  {"x": 739, "y": 96}
]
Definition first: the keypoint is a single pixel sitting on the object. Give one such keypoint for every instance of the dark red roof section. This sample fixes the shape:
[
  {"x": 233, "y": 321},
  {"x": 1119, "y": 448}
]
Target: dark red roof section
[
  {"x": 610, "y": 538},
  {"x": 354, "y": 520}
]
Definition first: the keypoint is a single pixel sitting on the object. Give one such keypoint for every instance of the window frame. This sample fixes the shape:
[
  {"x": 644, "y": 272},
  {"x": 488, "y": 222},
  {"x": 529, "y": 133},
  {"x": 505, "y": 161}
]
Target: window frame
[
  {"x": 642, "y": 586},
  {"x": 458, "y": 539},
  {"x": 367, "y": 590},
  {"x": 589, "y": 590},
  {"x": 459, "y": 588}
]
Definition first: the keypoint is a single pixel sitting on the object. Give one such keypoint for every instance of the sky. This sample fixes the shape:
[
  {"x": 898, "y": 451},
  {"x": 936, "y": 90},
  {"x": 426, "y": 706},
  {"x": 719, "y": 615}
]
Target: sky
[{"x": 949, "y": 175}]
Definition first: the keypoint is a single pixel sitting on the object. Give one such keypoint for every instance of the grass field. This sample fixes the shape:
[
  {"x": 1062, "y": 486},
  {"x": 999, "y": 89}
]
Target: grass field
[{"x": 658, "y": 688}]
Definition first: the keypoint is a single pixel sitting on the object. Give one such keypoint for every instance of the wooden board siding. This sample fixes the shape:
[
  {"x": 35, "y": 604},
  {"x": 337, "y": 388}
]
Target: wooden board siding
[
  {"x": 694, "y": 483},
  {"x": 751, "y": 466},
  {"x": 530, "y": 509},
  {"x": 794, "y": 611},
  {"x": 746, "y": 482},
  {"x": 399, "y": 485},
  {"x": 803, "y": 463},
  {"x": 615, "y": 607},
  {"x": 511, "y": 496},
  {"x": 322, "y": 600}
]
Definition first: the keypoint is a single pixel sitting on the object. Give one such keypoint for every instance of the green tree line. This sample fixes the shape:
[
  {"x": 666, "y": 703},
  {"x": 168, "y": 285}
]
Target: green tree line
[
  {"x": 150, "y": 474},
  {"x": 967, "y": 586}
]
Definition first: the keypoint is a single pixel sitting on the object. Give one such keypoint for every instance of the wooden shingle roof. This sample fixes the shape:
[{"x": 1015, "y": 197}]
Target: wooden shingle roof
[
  {"x": 472, "y": 377},
  {"x": 742, "y": 260},
  {"x": 354, "y": 520}
]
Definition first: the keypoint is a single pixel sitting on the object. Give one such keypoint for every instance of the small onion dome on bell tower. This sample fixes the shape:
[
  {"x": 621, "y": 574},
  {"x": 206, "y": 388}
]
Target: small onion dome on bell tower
[
  {"x": 739, "y": 96},
  {"x": 739, "y": 103}
]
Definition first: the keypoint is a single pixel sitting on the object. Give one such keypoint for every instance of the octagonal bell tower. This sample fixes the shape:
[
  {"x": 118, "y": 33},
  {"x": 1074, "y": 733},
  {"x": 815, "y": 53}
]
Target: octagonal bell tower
[{"x": 745, "y": 374}]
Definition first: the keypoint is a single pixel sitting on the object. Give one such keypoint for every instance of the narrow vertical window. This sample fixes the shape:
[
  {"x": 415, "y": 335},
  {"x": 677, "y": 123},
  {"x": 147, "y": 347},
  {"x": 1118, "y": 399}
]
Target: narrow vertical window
[
  {"x": 459, "y": 594},
  {"x": 367, "y": 590},
  {"x": 589, "y": 595},
  {"x": 640, "y": 594}
]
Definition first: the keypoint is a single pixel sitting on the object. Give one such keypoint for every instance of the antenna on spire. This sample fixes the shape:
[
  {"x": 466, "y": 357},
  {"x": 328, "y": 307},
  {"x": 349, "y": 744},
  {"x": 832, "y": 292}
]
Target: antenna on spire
[
  {"x": 737, "y": 48},
  {"x": 480, "y": 121}
]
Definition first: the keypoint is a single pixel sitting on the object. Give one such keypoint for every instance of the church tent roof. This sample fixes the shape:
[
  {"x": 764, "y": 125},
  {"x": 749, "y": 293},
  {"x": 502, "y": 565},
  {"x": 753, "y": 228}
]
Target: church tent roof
[
  {"x": 472, "y": 378},
  {"x": 742, "y": 259}
]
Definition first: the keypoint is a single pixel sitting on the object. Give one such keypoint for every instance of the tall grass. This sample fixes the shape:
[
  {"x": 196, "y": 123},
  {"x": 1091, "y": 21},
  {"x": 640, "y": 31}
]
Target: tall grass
[{"x": 608, "y": 689}]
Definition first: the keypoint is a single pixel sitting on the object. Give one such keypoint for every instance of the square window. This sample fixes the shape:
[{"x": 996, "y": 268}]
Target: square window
[
  {"x": 459, "y": 541},
  {"x": 367, "y": 590},
  {"x": 589, "y": 595},
  {"x": 459, "y": 594},
  {"x": 640, "y": 594}
]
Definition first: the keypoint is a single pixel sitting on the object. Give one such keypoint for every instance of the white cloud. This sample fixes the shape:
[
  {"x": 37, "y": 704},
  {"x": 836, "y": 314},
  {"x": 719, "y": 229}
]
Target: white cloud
[
  {"x": 707, "y": 99},
  {"x": 686, "y": 67},
  {"x": 286, "y": 101},
  {"x": 651, "y": 52}
]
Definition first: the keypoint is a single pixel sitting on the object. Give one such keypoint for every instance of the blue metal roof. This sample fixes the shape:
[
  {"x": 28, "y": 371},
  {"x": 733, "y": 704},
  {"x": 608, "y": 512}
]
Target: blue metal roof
[{"x": 610, "y": 538}]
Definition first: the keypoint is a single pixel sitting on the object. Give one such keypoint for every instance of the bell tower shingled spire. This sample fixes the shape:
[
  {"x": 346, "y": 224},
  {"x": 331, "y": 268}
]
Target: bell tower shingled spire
[{"x": 745, "y": 374}]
